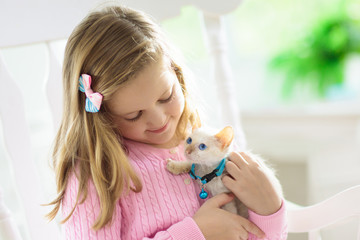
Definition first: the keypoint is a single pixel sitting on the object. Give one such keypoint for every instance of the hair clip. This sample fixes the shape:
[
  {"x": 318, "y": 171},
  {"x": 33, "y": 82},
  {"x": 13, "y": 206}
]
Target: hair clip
[{"x": 93, "y": 99}]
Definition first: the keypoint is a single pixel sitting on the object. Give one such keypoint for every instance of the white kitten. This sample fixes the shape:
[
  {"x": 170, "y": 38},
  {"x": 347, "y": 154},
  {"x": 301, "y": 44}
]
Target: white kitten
[{"x": 206, "y": 156}]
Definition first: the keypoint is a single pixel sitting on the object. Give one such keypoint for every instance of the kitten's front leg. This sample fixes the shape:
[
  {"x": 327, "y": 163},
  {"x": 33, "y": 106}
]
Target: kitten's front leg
[{"x": 176, "y": 167}]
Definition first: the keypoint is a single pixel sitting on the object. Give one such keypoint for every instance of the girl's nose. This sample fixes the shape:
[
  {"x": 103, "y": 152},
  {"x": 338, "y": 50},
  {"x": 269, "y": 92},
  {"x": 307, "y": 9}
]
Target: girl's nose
[{"x": 156, "y": 117}]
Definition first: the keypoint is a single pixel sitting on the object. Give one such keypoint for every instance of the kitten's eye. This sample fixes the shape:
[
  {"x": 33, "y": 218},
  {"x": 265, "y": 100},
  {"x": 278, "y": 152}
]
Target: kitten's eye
[
  {"x": 202, "y": 147},
  {"x": 189, "y": 140}
]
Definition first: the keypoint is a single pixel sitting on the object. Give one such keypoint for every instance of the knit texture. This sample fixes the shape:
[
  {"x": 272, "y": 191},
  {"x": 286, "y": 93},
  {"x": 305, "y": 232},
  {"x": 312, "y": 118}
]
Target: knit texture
[
  {"x": 274, "y": 226},
  {"x": 162, "y": 210}
]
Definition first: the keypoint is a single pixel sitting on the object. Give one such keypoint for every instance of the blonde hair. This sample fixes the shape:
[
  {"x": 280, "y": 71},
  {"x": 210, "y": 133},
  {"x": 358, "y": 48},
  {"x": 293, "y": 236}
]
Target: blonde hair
[{"x": 112, "y": 45}]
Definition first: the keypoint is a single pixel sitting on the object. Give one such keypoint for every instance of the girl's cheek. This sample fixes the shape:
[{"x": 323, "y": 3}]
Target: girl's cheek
[
  {"x": 179, "y": 101},
  {"x": 176, "y": 106},
  {"x": 126, "y": 127},
  {"x": 182, "y": 103}
]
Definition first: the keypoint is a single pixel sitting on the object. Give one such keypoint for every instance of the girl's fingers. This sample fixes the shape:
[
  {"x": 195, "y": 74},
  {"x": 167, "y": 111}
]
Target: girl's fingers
[
  {"x": 249, "y": 159},
  {"x": 233, "y": 169},
  {"x": 238, "y": 159},
  {"x": 244, "y": 235},
  {"x": 252, "y": 228},
  {"x": 243, "y": 160},
  {"x": 219, "y": 200},
  {"x": 229, "y": 183}
]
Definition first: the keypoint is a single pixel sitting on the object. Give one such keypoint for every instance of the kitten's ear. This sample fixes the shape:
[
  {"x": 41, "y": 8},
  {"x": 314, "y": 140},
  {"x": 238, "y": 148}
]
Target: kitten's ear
[
  {"x": 196, "y": 125},
  {"x": 225, "y": 136}
]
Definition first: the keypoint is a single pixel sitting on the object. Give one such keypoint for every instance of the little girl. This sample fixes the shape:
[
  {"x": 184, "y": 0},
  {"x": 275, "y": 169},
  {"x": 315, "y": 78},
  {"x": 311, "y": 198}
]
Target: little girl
[{"x": 126, "y": 111}]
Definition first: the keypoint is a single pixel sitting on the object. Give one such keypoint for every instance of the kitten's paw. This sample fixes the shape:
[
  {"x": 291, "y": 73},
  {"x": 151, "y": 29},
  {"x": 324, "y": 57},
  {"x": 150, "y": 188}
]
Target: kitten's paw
[
  {"x": 177, "y": 167},
  {"x": 172, "y": 167}
]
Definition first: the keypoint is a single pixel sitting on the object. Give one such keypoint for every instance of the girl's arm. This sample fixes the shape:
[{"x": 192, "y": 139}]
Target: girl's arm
[
  {"x": 274, "y": 225},
  {"x": 251, "y": 182},
  {"x": 183, "y": 230},
  {"x": 79, "y": 225}
]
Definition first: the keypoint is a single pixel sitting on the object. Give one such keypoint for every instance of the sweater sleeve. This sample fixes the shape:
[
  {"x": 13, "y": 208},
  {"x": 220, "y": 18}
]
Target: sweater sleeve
[
  {"x": 79, "y": 225},
  {"x": 183, "y": 230},
  {"x": 274, "y": 226}
]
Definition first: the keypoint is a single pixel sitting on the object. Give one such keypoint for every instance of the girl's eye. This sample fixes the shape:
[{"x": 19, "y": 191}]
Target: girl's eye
[
  {"x": 202, "y": 147},
  {"x": 189, "y": 140},
  {"x": 168, "y": 99},
  {"x": 135, "y": 118}
]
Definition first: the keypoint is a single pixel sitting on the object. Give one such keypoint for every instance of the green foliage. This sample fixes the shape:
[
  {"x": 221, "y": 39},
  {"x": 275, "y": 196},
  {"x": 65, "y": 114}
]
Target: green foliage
[{"x": 317, "y": 61}]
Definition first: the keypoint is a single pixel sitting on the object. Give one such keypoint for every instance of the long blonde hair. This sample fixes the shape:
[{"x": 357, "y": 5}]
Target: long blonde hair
[{"x": 112, "y": 45}]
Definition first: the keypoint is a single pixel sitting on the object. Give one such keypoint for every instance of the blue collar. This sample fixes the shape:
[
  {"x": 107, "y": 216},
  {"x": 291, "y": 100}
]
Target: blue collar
[{"x": 210, "y": 176}]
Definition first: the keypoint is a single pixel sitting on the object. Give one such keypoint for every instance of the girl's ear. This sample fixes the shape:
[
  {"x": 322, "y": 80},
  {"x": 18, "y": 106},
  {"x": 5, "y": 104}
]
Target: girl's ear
[{"x": 225, "y": 136}]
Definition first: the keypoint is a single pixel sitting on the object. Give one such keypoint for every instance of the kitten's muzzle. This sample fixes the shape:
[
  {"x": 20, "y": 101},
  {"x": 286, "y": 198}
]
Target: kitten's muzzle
[{"x": 189, "y": 150}]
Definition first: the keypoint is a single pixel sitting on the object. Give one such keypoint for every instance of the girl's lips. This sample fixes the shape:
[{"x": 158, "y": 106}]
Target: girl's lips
[{"x": 160, "y": 130}]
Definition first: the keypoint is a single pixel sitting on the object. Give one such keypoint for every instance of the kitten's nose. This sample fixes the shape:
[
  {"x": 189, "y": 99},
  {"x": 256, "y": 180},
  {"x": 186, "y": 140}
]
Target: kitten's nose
[{"x": 189, "y": 150}]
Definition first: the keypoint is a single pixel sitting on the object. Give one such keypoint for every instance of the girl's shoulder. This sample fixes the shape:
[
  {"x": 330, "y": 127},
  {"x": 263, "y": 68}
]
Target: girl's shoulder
[
  {"x": 73, "y": 198},
  {"x": 73, "y": 185}
]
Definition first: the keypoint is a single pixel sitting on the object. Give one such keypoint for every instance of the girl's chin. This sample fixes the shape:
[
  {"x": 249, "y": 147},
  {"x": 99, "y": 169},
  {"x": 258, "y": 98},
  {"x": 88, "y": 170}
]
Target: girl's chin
[{"x": 166, "y": 142}]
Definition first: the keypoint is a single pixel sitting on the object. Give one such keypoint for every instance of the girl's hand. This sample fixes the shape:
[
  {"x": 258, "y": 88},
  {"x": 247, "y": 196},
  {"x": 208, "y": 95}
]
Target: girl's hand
[
  {"x": 249, "y": 182},
  {"x": 216, "y": 223}
]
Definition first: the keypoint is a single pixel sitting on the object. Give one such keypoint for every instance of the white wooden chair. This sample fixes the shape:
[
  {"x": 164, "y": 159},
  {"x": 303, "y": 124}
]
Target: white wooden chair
[
  {"x": 312, "y": 219},
  {"x": 44, "y": 22}
]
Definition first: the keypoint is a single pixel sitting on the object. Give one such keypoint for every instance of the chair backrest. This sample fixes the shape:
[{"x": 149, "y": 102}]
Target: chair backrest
[
  {"x": 18, "y": 143},
  {"x": 45, "y": 23},
  {"x": 312, "y": 219}
]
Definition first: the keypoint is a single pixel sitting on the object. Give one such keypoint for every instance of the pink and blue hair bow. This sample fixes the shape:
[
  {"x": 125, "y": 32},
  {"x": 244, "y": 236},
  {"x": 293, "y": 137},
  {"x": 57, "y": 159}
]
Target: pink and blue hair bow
[{"x": 93, "y": 99}]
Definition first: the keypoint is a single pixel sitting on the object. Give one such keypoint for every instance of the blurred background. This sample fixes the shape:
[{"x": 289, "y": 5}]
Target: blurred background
[{"x": 296, "y": 71}]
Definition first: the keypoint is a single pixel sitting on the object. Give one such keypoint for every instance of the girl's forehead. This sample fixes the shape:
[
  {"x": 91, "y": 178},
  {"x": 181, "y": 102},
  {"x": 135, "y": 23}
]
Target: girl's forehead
[{"x": 150, "y": 84}]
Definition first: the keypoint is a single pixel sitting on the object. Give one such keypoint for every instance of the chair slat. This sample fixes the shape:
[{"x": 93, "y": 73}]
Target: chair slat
[
  {"x": 18, "y": 145},
  {"x": 8, "y": 227},
  {"x": 53, "y": 87},
  {"x": 342, "y": 205}
]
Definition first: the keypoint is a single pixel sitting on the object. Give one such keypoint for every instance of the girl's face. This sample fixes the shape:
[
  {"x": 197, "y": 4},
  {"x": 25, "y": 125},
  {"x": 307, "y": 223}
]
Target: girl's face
[{"x": 148, "y": 108}]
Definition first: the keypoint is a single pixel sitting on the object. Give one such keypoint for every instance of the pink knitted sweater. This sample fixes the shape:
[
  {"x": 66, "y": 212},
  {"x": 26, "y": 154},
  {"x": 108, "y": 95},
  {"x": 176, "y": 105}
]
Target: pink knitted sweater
[{"x": 162, "y": 210}]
